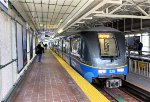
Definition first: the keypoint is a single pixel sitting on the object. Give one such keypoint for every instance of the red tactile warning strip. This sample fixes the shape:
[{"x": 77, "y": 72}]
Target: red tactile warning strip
[{"x": 48, "y": 82}]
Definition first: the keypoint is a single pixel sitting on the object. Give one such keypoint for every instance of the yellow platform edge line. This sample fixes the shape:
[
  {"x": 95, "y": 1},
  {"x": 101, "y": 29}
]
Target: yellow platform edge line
[{"x": 92, "y": 93}]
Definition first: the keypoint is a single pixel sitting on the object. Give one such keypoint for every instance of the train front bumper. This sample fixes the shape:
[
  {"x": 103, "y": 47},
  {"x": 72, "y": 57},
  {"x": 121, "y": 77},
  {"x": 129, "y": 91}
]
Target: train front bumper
[{"x": 113, "y": 83}]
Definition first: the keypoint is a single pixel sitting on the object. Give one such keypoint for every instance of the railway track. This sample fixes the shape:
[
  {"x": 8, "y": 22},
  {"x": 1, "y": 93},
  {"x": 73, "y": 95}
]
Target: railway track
[
  {"x": 135, "y": 91},
  {"x": 126, "y": 93},
  {"x": 120, "y": 96}
]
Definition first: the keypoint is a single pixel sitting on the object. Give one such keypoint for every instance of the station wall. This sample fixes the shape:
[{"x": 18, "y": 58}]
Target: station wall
[{"x": 16, "y": 41}]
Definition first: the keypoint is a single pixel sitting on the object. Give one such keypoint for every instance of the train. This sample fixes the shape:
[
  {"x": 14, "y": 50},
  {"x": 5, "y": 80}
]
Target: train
[{"x": 95, "y": 53}]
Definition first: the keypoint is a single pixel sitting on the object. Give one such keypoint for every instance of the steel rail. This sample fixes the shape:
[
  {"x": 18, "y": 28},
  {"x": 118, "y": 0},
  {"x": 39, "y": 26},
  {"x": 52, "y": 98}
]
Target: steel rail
[{"x": 136, "y": 91}]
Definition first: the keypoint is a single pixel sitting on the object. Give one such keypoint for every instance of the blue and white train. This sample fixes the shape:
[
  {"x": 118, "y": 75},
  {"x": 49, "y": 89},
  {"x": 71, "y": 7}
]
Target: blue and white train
[{"x": 96, "y": 53}]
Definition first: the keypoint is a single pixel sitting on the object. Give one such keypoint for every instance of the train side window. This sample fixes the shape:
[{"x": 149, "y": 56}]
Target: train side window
[
  {"x": 108, "y": 46},
  {"x": 56, "y": 44},
  {"x": 66, "y": 46},
  {"x": 76, "y": 46},
  {"x": 60, "y": 45}
]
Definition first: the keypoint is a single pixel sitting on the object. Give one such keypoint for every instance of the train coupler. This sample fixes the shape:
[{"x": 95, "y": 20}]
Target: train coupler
[{"x": 113, "y": 83}]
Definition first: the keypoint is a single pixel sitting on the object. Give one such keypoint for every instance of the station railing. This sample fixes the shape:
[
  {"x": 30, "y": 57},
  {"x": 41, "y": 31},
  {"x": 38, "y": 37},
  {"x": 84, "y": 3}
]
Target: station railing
[{"x": 139, "y": 64}]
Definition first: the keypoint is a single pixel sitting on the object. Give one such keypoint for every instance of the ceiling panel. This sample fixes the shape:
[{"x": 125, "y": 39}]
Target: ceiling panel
[
  {"x": 53, "y": 20},
  {"x": 82, "y": 2},
  {"x": 57, "y": 9},
  {"x": 45, "y": 7},
  {"x": 44, "y": 18},
  {"x": 51, "y": 8},
  {"x": 31, "y": 6},
  {"x": 58, "y": 20},
  {"x": 38, "y": 7},
  {"x": 66, "y": 13},
  {"x": 37, "y": 1},
  {"x": 53, "y": 1},
  {"x": 25, "y": 6},
  {"x": 39, "y": 14},
  {"x": 29, "y": 0},
  {"x": 28, "y": 13},
  {"x": 68, "y": 2},
  {"x": 49, "y": 19},
  {"x": 36, "y": 19},
  {"x": 45, "y": 15},
  {"x": 22, "y": 0},
  {"x": 34, "y": 14},
  {"x": 40, "y": 19},
  {"x": 60, "y": 2},
  {"x": 45, "y": 1},
  {"x": 75, "y": 2},
  {"x": 65, "y": 16},
  {"x": 50, "y": 15},
  {"x": 69, "y": 10},
  {"x": 64, "y": 9},
  {"x": 60, "y": 16},
  {"x": 54, "y": 16}
]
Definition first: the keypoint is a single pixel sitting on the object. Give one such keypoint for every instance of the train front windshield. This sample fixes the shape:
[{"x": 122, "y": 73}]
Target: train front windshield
[{"x": 108, "y": 45}]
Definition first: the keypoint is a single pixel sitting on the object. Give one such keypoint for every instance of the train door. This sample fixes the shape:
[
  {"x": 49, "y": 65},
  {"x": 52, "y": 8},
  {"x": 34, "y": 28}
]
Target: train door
[
  {"x": 60, "y": 48},
  {"x": 76, "y": 47},
  {"x": 66, "y": 50},
  {"x": 76, "y": 53}
]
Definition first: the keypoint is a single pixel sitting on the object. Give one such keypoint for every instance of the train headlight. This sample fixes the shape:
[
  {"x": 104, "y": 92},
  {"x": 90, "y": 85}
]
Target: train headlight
[
  {"x": 101, "y": 71},
  {"x": 120, "y": 70}
]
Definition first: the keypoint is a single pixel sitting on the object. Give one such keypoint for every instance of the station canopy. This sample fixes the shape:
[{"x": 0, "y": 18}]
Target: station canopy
[{"x": 68, "y": 15}]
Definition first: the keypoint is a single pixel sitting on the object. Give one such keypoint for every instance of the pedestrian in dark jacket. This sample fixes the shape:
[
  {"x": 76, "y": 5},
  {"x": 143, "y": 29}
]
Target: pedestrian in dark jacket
[
  {"x": 45, "y": 46},
  {"x": 140, "y": 45},
  {"x": 39, "y": 51}
]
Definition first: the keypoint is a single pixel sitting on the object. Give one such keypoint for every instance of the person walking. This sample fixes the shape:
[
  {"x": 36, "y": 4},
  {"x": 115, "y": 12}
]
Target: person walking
[
  {"x": 42, "y": 45},
  {"x": 45, "y": 46},
  {"x": 39, "y": 51}
]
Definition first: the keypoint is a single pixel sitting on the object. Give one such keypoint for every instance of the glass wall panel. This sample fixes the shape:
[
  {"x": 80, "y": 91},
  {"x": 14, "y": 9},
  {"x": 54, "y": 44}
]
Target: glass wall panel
[{"x": 19, "y": 47}]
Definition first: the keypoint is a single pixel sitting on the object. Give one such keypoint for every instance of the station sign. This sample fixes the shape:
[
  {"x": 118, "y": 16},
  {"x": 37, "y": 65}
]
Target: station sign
[{"x": 4, "y": 4}]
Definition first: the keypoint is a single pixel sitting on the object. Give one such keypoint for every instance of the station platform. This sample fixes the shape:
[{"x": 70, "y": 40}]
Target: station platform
[
  {"x": 138, "y": 80},
  {"x": 51, "y": 81},
  {"x": 139, "y": 71}
]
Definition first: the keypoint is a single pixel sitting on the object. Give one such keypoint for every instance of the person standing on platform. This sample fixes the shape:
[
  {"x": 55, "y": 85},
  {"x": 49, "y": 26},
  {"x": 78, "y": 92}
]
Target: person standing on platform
[
  {"x": 45, "y": 46},
  {"x": 140, "y": 46},
  {"x": 42, "y": 45},
  {"x": 39, "y": 51}
]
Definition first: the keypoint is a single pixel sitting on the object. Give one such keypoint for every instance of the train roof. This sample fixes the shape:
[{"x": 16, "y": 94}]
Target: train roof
[
  {"x": 101, "y": 28},
  {"x": 66, "y": 34}
]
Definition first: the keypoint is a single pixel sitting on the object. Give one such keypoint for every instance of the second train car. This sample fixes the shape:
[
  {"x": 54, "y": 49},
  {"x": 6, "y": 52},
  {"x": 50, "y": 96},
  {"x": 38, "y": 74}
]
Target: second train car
[{"x": 96, "y": 53}]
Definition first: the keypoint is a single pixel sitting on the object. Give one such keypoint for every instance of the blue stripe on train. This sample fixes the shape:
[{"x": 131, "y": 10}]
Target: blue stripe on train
[{"x": 89, "y": 72}]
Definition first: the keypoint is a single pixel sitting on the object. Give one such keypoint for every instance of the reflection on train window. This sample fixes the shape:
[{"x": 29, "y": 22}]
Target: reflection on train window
[
  {"x": 66, "y": 46},
  {"x": 56, "y": 44},
  {"x": 108, "y": 46},
  {"x": 60, "y": 45},
  {"x": 75, "y": 46}
]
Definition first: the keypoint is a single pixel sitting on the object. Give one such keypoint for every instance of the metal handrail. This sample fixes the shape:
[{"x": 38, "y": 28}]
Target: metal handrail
[{"x": 2, "y": 66}]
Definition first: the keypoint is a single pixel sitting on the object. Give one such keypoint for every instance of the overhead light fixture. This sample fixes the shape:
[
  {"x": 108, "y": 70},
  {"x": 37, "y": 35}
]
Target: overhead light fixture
[
  {"x": 88, "y": 18},
  {"x": 41, "y": 25},
  {"x": 80, "y": 22},
  {"x": 60, "y": 21},
  {"x": 60, "y": 31},
  {"x": 76, "y": 25},
  {"x": 69, "y": 20}
]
